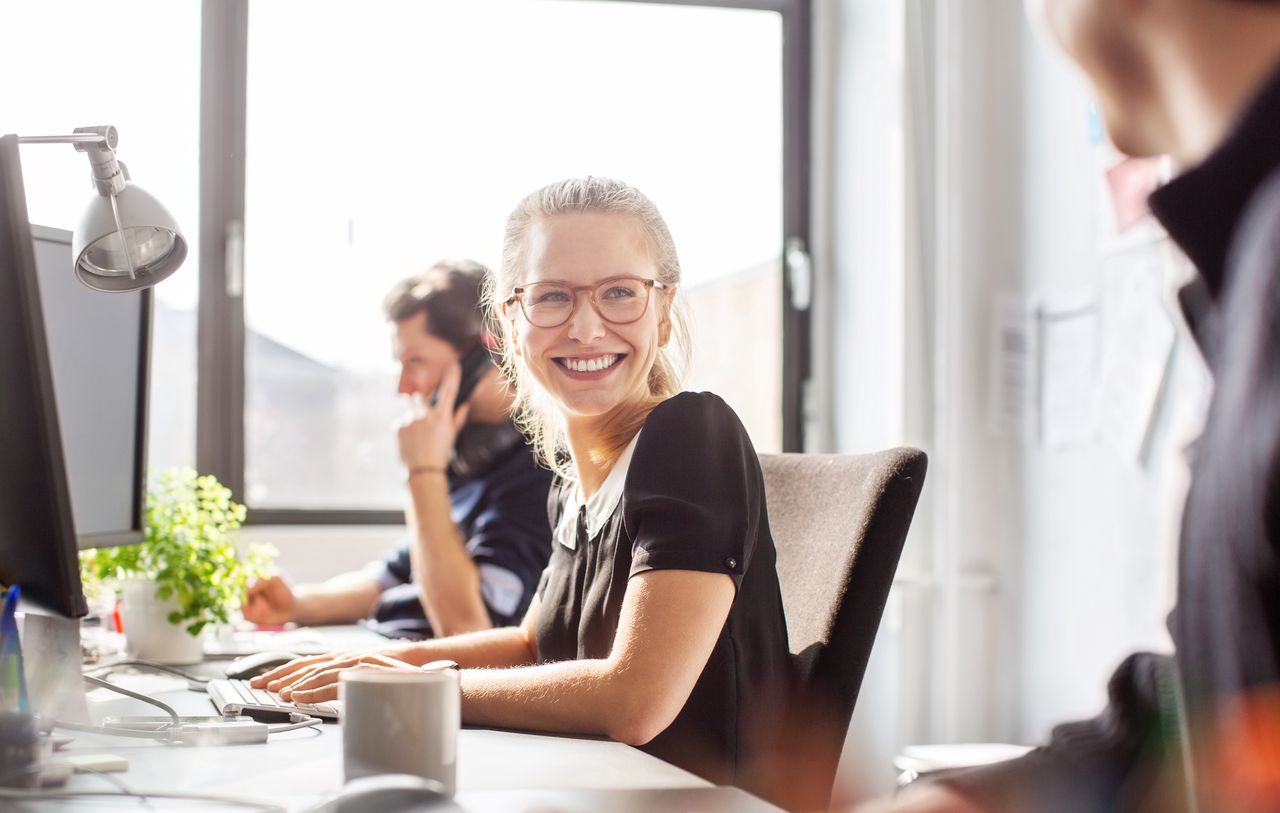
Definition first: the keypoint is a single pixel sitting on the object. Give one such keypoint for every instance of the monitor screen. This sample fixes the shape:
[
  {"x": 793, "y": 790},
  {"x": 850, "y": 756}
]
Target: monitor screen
[
  {"x": 98, "y": 355},
  {"x": 37, "y": 538}
]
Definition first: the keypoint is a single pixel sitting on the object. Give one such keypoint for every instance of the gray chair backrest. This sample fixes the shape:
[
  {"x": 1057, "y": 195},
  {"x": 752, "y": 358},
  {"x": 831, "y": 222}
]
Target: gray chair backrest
[{"x": 839, "y": 523}]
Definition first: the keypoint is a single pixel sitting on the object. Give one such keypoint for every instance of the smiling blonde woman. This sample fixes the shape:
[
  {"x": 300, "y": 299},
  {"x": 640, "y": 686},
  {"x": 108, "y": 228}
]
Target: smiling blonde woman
[{"x": 658, "y": 621}]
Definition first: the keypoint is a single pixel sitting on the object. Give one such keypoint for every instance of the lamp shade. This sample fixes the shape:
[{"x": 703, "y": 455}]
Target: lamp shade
[{"x": 144, "y": 236}]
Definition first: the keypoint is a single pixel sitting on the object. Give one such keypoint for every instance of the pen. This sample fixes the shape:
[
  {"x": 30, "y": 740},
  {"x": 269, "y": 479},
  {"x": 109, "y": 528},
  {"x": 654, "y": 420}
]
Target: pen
[{"x": 13, "y": 687}]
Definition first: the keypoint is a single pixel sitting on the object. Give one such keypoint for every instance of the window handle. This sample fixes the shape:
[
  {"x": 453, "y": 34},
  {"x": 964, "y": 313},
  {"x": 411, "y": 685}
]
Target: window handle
[
  {"x": 800, "y": 273},
  {"x": 233, "y": 259}
]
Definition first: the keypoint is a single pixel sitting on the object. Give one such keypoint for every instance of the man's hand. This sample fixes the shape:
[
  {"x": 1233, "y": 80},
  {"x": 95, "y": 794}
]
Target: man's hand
[
  {"x": 428, "y": 432},
  {"x": 922, "y": 798},
  {"x": 270, "y": 602},
  {"x": 315, "y": 679}
]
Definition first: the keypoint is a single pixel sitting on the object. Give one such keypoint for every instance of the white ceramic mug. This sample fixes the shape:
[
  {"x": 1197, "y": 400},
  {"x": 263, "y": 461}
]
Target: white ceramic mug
[{"x": 401, "y": 722}]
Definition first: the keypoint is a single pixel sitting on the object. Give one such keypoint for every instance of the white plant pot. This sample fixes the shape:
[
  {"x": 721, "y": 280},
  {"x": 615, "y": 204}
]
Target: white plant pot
[{"x": 148, "y": 634}]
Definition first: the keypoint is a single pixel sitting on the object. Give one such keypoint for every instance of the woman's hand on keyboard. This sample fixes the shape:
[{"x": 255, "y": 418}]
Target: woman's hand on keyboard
[{"x": 315, "y": 679}]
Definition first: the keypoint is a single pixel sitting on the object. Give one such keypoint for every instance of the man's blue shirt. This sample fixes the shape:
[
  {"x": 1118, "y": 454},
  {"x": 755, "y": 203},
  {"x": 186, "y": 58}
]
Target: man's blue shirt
[{"x": 502, "y": 516}]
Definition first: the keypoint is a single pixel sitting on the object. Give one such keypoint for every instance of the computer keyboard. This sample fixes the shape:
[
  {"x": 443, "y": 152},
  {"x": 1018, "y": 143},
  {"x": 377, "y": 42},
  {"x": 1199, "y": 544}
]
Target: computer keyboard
[{"x": 237, "y": 696}]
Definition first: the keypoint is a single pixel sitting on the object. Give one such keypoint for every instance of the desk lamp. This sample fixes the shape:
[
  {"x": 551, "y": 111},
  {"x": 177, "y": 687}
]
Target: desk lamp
[{"x": 126, "y": 240}]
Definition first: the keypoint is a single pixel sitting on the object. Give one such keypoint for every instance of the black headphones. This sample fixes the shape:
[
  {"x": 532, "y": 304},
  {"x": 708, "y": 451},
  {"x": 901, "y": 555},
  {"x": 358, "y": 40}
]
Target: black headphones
[{"x": 480, "y": 446}]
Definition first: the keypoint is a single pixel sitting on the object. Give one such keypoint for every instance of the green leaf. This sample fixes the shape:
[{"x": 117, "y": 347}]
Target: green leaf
[{"x": 189, "y": 550}]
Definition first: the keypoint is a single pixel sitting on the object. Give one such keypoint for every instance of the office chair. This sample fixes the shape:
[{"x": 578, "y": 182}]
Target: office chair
[{"x": 839, "y": 523}]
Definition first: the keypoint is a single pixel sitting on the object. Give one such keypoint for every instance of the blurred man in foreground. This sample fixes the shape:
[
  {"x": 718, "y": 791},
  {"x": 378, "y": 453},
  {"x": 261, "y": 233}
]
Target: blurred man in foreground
[{"x": 1198, "y": 80}]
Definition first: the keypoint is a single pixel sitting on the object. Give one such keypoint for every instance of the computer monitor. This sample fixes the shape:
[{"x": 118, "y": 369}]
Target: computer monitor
[
  {"x": 99, "y": 346},
  {"x": 37, "y": 538},
  {"x": 73, "y": 405}
]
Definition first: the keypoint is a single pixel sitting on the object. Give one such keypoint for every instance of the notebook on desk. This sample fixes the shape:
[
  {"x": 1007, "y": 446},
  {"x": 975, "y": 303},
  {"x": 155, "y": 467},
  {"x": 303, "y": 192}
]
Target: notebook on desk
[{"x": 304, "y": 641}]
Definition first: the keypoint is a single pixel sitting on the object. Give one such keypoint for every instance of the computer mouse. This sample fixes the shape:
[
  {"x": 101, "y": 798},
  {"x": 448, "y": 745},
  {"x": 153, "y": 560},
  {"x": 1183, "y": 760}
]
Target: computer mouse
[
  {"x": 390, "y": 793},
  {"x": 250, "y": 666}
]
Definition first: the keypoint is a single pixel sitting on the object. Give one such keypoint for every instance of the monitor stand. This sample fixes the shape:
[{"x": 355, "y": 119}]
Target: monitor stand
[{"x": 51, "y": 661}]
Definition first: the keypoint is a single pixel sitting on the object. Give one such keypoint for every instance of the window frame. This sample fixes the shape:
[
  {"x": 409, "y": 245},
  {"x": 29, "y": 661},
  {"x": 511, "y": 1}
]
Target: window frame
[{"x": 220, "y": 384}]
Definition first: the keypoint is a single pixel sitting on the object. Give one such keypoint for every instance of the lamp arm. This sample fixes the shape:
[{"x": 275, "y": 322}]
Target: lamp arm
[
  {"x": 77, "y": 138},
  {"x": 100, "y": 143}
]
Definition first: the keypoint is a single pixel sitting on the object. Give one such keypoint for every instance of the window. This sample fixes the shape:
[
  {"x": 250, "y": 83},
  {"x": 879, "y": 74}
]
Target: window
[
  {"x": 389, "y": 135},
  {"x": 83, "y": 64}
]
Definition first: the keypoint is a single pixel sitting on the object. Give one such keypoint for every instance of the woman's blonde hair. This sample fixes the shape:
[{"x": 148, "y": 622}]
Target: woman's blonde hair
[{"x": 534, "y": 413}]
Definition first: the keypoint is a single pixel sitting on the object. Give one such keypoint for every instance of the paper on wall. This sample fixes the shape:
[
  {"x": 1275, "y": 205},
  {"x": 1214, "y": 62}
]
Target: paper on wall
[
  {"x": 1068, "y": 329},
  {"x": 1137, "y": 343},
  {"x": 1011, "y": 381}
]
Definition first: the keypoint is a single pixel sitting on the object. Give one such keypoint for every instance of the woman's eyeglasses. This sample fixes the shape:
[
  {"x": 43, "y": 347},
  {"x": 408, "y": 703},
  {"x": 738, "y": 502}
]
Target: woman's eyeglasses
[{"x": 619, "y": 300}]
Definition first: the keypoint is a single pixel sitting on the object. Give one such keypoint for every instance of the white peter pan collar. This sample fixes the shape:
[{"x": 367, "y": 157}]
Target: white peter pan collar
[{"x": 601, "y": 505}]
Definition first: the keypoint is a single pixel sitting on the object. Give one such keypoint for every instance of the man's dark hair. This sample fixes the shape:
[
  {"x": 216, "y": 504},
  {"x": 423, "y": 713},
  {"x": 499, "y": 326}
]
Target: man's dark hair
[{"x": 449, "y": 294}]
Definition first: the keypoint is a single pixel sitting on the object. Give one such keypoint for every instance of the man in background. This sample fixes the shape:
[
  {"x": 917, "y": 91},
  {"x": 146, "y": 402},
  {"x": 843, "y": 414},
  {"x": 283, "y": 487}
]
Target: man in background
[
  {"x": 477, "y": 511},
  {"x": 1198, "y": 80}
]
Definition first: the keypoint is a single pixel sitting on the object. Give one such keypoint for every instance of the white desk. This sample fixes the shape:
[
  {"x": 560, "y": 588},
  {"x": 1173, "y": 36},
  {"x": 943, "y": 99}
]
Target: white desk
[{"x": 498, "y": 771}]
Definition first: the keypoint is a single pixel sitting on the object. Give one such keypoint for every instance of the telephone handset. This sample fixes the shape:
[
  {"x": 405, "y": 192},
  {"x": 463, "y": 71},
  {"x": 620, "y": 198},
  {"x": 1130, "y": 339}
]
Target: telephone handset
[
  {"x": 475, "y": 364},
  {"x": 480, "y": 446}
]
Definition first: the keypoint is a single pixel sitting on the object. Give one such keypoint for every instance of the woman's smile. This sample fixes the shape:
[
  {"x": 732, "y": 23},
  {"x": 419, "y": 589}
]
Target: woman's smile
[{"x": 589, "y": 368}]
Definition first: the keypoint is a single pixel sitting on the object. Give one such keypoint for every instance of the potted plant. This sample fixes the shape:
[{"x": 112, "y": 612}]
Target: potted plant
[{"x": 186, "y": 573}]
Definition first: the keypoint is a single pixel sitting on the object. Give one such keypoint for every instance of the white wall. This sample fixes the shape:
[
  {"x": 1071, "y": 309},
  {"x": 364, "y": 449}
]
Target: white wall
[
  {"x": 313, "y": 553},
  {"x": 923, "y": 231},
  {"x": 977, "y": 216},
  {"x": 866, "y": 205},
  {"x": 1099, "y": 529},
  {"x": 860, "y": 318}
]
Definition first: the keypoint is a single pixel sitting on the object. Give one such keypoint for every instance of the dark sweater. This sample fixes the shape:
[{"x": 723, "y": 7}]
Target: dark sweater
[
  {"x": 693, "y": 499},
  {"x": 1165, "y": 713}
]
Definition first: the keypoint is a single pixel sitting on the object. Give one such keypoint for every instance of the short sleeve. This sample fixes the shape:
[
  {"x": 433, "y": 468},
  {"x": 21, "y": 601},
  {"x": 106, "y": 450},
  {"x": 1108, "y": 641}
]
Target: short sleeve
[
  {"x": 694, "y": 494},
  {"x": 542, "y": 581},
  {"x": 393, "y": 569}
]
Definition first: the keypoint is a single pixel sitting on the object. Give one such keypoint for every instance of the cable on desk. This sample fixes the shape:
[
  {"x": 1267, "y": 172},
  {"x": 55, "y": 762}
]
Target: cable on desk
[
  {"x": 164, "y": 735},
  {"x": 157, "y": 667},
  {"x": 165, "y": 707},
  {"x": 39, "y": 795},
  {"x": 39, "y": 767},
  {"x": 109, "y": 779},
  {"x": 119, "y": 783},
  {"x": 297, "y": 720},
  {"x": 173, "y": 733}
]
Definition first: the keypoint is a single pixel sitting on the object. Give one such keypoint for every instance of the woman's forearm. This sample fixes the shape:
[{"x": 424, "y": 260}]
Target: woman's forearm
[
  {"x": 670, "y": 622},
  {"x": 315, "y": 680},
  {"x": 571, "y": 697},
  {"x": 494, "y": 648}
]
